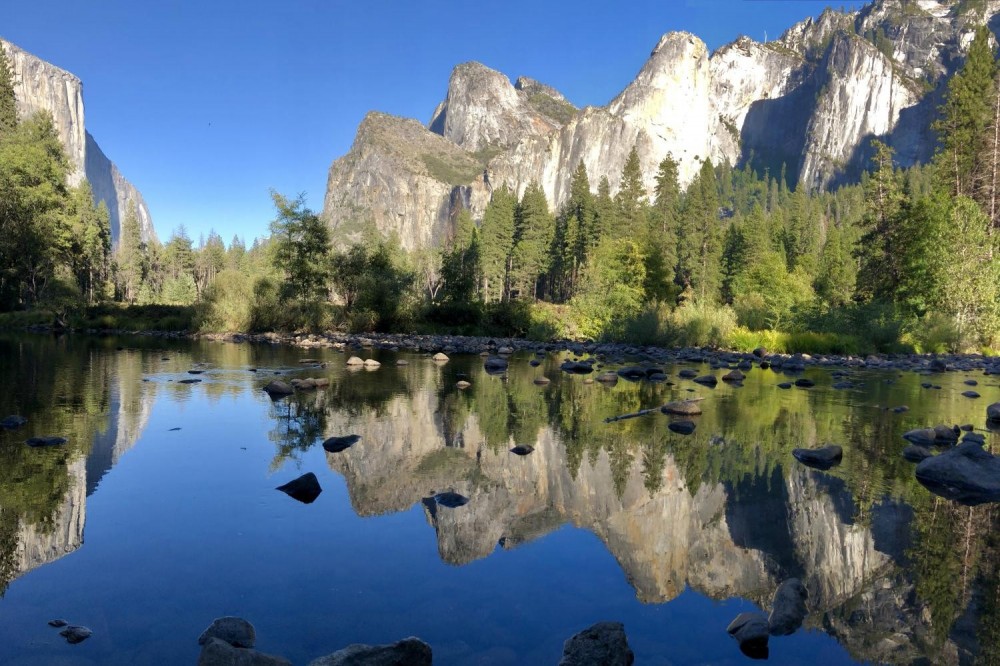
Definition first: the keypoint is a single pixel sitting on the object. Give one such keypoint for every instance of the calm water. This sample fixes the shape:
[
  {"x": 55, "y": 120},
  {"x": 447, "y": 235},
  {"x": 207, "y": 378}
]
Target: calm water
[{"x": 145, "y": 533}]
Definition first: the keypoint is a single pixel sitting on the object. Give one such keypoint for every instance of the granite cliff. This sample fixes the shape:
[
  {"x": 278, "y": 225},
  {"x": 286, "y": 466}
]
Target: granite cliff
[
  {"x": 41, "y": 86},
  {"x": 810, "y": 101}
]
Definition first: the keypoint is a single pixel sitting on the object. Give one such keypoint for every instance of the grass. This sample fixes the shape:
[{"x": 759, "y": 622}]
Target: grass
[
  {"x": 560, "y": 111},
  {"x": 450, "y": 172}
]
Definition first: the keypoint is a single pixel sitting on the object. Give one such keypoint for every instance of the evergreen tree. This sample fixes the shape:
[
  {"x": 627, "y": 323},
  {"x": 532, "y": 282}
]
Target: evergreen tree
[
  {"x": 130, "y": 261},
  {"x": 460, "y": 262},
  {"x": 699, "y": 251},
  {"x": 661, "y": 233},
  {"x": 573, "y": 237},
  {"x": 605, "y": 215},
  {"x": 837, "y": 269},
  {"x": 236, "y": 253},
  {"x": 879, "y": 269},
  {"x": 302, "y": 248},
  {"x": 630, "y": 202},
  {"x": 8, "y": 102},
  {"x": 179, "y": 254},
  {"x": 534, "y": 231},
  {"x": 497, "y": 245},
  {"x": 84, "y": 244}
]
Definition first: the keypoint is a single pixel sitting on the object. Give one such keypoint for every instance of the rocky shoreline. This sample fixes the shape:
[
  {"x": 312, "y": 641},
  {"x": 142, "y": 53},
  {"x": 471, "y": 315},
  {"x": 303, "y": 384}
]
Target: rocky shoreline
[{"x": 610, "y": 352}]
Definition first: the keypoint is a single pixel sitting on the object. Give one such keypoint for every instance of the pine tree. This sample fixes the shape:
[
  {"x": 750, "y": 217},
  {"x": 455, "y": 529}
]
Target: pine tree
[
  {"x": 661, "y": 233},
  {"x": 605, "y": 215},
  {"x": 534, "y": 231},
  {"x": 630, "y": 202},
  {"x": 8, "y": 102},
  {"x": 302, "y": 249},
  {"x": 131, "y": 262},
  {"x": 699, "y": 251},
  {"x": 460, "y": 262},
  {"x": 497, "y": 245},
  {"x": 879, "y": 268}
]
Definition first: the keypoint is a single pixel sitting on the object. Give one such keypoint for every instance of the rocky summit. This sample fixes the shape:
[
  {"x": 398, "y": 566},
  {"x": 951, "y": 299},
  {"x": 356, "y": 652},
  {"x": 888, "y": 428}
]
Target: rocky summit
[{"x": 808, "y": 102}]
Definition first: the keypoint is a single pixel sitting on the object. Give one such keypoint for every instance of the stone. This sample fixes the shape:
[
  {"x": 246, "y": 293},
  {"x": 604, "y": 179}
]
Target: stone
[
  {"x": 462, "y": 384},
  {"x": 788, "y": 608},
  {"x": 46, "y": 440},
  {"x": 338, "y": 444},
  {"x": 632, "y": 373},
  {"x": 13, "y": 422},
  {"x": 407, "y": 652},
  {"x": 609, "y": 378},
  {"x": 977, "y": 437},
  {"x": 970, "y": 394},
  {"x": 760, "y": 352},
  {"x": 681, "y": 427},
  {"x": 915, "y": 453},
  {"x": 752, "y": 631},
  {"x": 541, "y": 381},
  {"x": 785, "y": 385},
  {"x": 451, "y": 500},
  {"x": 604, "y": 643},
  {"x": 687, "y": 373},
  {"x": 967, "y": 474},
  {"x": 401, "y": 362},
  {"x": 522, "y": 449},
  {"x": 939, "y": 435},
  {"x": 682, "y": 408},
  {"x": 198, "y": 372},
  {"x": 305, "y": 488},
  {"x": 938, "y": 365},
  {"x": 993, "y": 412},
  {"x": 900, "y": 409},
  {"x": 217, "y": 652},
  {"x": 277, "y": 388},
  {"x": 576, "y": 367},
  {"x": 440, "y": 358},
  {"x": 75, "y": 634},
  {"x": 58, "y": 623},
  {"x": 355, "y": 360},
  {"x": 189, "y": 381},
  {"x": 706, "y": 380},
  {"x": 495, "y": 364},
  {"x": 371, "y": 364},
  {"x": 804, "y": 382},
  {"x": 733, "y": 376},
  {"x": 233, "y": 630},
  {"x": 822, "y": 458}
]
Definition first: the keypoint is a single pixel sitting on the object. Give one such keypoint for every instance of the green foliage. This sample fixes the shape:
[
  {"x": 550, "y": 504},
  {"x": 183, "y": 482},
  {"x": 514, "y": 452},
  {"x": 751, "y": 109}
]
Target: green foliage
[
  {"x": 534, "y": 230},
  {"x": 497, "y": 245},
  {"x": 558, "y": 110},
  {"x": 376, "y": 286},
  {"x": 613, "y": 289},
  {"x": 301, "y": 251},
  {"x": 452, "y": 172},
  {"x": 120, "y": 317},
  {"x": 8, "y": 102}
]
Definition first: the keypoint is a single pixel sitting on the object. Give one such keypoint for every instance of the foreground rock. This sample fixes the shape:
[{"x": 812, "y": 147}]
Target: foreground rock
[
  {"x": 450, "y": 499},
  {"x": 822, "y": 458},
  {"x": 939, "y": 435},
  {"x": 681, "y": 427},
  {"x": 522, "y": 449},
  {"x": 277, "y": 389},
  {"x": 407, "y": 652},
  {"x": 682, "y": 408},
  {"x": 305, "y": 489},
  {"x": 992, "y": 412},
  {"x": 13, "y": 422},
  {"x": 752, "y": 631},
  {"x": 218, "y": 652},
  {"x": 966, "y": 474},
  {"x": 788, "y": 609},
  {"x": 75, "y": 634},
  {"x": 233, "y": 630},
  {"x": 604, "y": 643}
]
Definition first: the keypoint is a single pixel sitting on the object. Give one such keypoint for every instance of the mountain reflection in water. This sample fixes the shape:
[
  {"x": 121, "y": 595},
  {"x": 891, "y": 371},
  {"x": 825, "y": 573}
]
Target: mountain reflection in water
[{"x": 894, "y": 574}]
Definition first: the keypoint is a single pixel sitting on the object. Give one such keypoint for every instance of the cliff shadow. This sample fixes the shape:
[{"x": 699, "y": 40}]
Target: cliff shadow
[
  {"x": 774, "y": 132},
  {"x": 758, "y": 518}
]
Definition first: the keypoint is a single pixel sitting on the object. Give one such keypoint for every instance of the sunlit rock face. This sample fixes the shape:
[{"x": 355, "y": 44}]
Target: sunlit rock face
[
  {"x": 41, "y": 86},
  {"x": 809, "y": 102}
]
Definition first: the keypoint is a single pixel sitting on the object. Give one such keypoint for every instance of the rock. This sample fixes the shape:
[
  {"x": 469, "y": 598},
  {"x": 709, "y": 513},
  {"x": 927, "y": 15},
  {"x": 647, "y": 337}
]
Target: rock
[
  {"x": 760, "y": 352},
  {"x": 900, "y": 409},
  {"x": 682, "y": 427},
  {"x": 752, "y": 631},
  {"x": 46, "y": 440},
  {"x": 733, "y": 376},
  {"x": 338, "y": 444},
  {"x": 233, "y": 630},
  {"x": 687, "y": 373},
  {"x": 632, "y": 373},
  {"x": 804, "y": 382},
  {"x": 495, "y": 364},
  {"x": 576, "y": 367},
  {"x": 440, "y": 357},
  {"x": 13, "y": 422},
  {"x": 58, "y": 623},
  {"x": 970, "y": 394},
  {"x": 354, "y": 360},
  {"x": 971, "y": 382},
  {"x": 276, "y": 388},
  {"x": 401, "y": 362},
  {"x": 371, "y": 364},
  {"x": 604, "y": 643},
  {"x": 75, "y": 634},
  {"x": 305, "y": 489},
  {"x": 522, "y": 449},
  {"x": 915, "y": 453},
  {"x": 462, "y": 384},
  {"x": 706, "y": 380},
  {"x": 938, "y": 365},
  {"x": 198, "y": 372},
  {"x": 966, "y": 474},
  {"x": 451, "y": 499},
  {"x": 682, "y": 408},
  {"x": 785, "y": 385},
  {"x": 843, "y": 385},
  {"x": 407, "y": 652},
  {"x": 189, "y": 381},
  {"x": 993, "y": 412},
  {"x": 939, "y": 435},
  {"x": 506, "y": 351},
  {"x": 217, "y": 652},
  {"x": 542, "y": 381},
  {"x": 534, "y": 363},
  {"x": 788, "y": 609},
  {"x": 822, "y": 458}
]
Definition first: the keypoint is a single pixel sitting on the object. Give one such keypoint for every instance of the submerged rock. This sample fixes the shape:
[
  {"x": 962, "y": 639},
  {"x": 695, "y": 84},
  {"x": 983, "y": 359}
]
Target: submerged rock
[
  {"x": 407, "y": 652},
  {"x": 822, "y": 458},
  {"x": 681, "y": 427},
  {"x": 338, "y": 444},
  {"x": 451, "y": 499},
  {"x": 804, "y": 382},
  {"x": 233, "y": 630},
  {"x": 577, "y": 367},
  {"x": 752, "y": 631},
  {"x": 970, "y": 394},
  {"x": 733, "y": 376},
  {"x": 495, "y": 364},
  {"x": 682, "y": 408},
  {"x": 604, "y": 643},
  {"x": 967, "y": 474},
  {"x": 13, "y": 422},
  {"x": 46, "y": 440},
  {"x": 189, "y": 381},
  {"x": 706, "y": 380},
  {"x": 940, "y": 435},
  {"x": 305, "y": 489},
  {"x": 687, "y": 373},
  {"x": 993, "y": 412},
  {"x": 916, "y": 453},
  {"x": 277, "y": 388},
  {"x": 58, "y": 623},
  {"x": 522, "y": 449},
  {"x": 541, "y": 381},
  {"x": 633, "y": 373},
  {"x": 75, "y": 634},
  {"x": 788, "y": 609},
  {"x": 217, "y": 652}
]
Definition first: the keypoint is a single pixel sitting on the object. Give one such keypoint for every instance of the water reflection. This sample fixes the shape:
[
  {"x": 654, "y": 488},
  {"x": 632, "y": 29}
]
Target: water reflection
[{"x": 894, "y": 573}]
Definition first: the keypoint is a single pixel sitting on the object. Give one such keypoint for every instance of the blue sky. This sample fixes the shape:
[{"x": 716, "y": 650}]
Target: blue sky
[{"x": 206, "y": 105}]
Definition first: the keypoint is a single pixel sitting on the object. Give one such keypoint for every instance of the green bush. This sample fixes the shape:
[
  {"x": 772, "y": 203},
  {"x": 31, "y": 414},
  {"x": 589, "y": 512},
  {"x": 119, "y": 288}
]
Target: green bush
[
  {"x": 507, "y": 320},
  {"x": 698, "y": 325},
  {"x": 934, "y": 333}
]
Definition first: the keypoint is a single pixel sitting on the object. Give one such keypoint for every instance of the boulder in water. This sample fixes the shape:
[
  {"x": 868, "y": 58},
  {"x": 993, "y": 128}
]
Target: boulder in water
[
  {"x": 305, "y": 489},
  {"x": 788, "y": 609},
  {"x": 407, "y": 652},
  {"x": 604, "y": 643},
  {"x": 46, "y": 440},
  {"x": 822, "y": 458},
  {"x": 338, "y": 444},
  {"x": 967, "y": 474}
]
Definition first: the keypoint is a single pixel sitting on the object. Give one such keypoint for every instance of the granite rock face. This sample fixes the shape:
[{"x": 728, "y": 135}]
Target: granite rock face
[
  {"x": 41, "y": 86},
  {"x": 810, "y": 100}
]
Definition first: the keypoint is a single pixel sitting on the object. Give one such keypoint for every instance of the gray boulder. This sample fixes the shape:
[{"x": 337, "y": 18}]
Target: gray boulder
[
  {"x": 940, "y": 435},
  {"x": 821, "y": 458},
  {"x": 233, "y": 630},
  {"x": 75, "y": 634},
  {"x": 276, "y": 388},
  {"x": 788, "y": 609},
  {"x": 752, "y": 631},
  {"x": 993, "y": 412},
  {"x": 218, "y": 652},
  {"x": 407, "y": 652},
  {"x": 967, "y": 474},
  {"x": 603, "y": 644}
]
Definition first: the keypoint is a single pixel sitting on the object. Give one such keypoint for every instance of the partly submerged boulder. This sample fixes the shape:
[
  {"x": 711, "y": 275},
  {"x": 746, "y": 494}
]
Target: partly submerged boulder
[{"x": 967, "y": 474}]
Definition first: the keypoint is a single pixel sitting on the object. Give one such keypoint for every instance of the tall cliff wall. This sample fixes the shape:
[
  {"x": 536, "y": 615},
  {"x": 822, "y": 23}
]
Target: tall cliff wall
[
  {"x": 41, "y": 86},
  {"x": 810, "y": 101}
]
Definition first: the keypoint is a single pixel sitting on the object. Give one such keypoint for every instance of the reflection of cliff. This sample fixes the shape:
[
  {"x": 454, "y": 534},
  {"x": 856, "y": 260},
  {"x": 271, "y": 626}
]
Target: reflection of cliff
[
  {"x": 41, "y": 543},
  {"x": 130, "y": 403}
]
